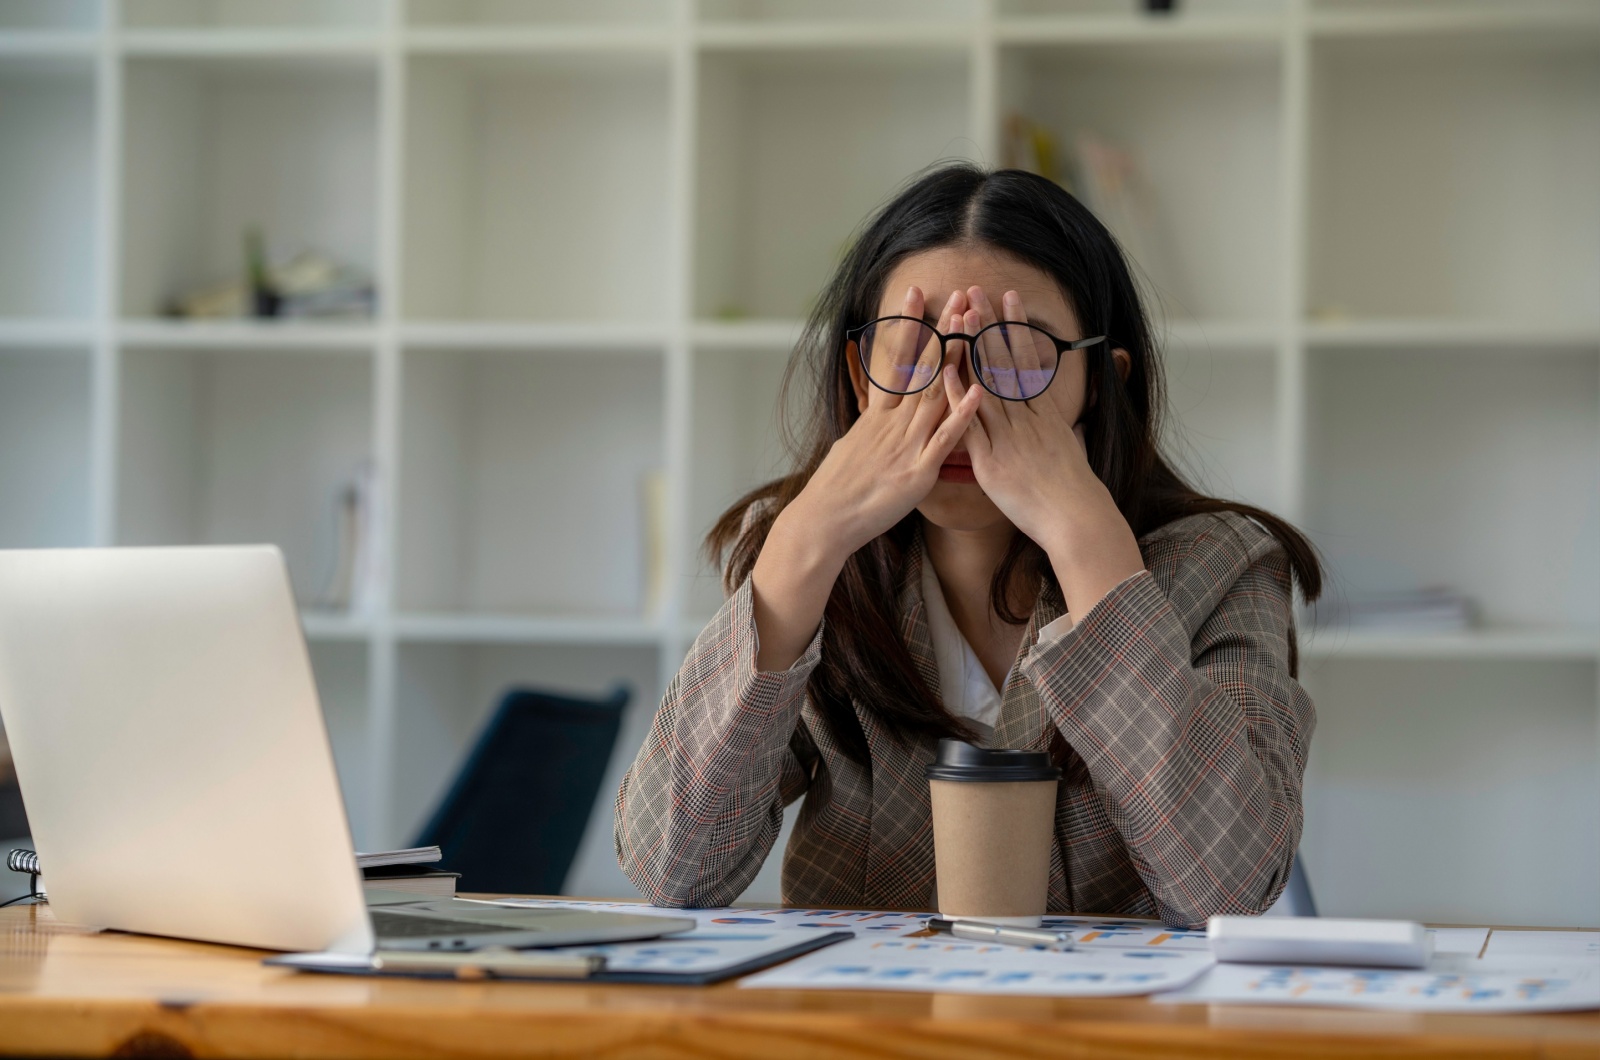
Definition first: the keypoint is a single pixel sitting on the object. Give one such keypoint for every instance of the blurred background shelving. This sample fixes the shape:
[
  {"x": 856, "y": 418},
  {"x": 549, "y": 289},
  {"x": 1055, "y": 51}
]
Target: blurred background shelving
[{"x": 593, "y": 227}]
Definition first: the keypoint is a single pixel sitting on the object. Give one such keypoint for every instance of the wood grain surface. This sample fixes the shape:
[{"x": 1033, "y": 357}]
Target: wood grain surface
[{"x": 67, "y": 992}]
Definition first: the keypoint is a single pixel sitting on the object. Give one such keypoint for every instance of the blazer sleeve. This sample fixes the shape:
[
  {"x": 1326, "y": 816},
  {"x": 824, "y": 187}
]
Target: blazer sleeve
[
  {"x": 700, "y": 808},
  {"x": 1199, "y": 742}
]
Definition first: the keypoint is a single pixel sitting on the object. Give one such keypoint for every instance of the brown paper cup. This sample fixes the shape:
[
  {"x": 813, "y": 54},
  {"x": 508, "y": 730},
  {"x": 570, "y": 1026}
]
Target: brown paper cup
[
  {"x": 993, "y": 823},
  {"x": 991, "y": 848}
]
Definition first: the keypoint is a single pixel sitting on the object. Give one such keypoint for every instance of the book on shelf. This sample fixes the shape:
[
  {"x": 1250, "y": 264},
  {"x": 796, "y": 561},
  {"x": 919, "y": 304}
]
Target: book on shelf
[
  {"x": 1108, "y": 178},
  {"x": 1417, "y": 611},
  {"x": 349, "y": 586}
]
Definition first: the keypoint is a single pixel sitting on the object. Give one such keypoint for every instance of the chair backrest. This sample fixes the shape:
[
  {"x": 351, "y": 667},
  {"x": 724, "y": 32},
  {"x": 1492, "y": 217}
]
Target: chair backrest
[
  {"x": 512, "y": 820},
  {"x": 1298, "y": 893}
]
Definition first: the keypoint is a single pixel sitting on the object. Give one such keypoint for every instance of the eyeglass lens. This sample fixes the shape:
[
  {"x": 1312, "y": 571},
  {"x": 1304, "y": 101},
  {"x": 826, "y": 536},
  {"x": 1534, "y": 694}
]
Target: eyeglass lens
[{"x": 1015, "y": 361}]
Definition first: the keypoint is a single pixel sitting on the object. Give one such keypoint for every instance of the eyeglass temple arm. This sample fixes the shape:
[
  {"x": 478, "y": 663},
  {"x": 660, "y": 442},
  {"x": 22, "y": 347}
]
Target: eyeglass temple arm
[{"x": 1081, "y": 343}]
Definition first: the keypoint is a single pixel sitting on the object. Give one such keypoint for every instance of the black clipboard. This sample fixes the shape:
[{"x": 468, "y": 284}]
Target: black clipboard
[{"x": 535, "y": 966}]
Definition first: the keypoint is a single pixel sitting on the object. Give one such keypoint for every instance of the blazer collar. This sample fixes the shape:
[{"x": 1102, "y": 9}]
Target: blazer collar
[{"x": 1022, "y": 722}]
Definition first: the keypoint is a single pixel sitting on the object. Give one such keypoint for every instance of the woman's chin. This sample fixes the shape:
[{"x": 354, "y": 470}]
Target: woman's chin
[{"x": 960, "y": 506}]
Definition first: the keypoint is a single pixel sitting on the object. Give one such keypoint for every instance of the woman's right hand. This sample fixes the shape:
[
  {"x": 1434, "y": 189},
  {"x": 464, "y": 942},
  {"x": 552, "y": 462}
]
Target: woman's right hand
[
  {"x": 889, "y": 458},
  {"x": 881, "y": 469}
]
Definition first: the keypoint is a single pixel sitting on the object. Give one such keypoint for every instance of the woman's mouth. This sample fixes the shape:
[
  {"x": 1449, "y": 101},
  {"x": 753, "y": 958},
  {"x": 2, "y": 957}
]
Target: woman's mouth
[{"x": 957, "y": 467}]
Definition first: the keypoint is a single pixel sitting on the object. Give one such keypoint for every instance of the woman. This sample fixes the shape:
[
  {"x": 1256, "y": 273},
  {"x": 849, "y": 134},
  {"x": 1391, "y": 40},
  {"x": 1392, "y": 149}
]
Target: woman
[{"x": 982, "y": 541}]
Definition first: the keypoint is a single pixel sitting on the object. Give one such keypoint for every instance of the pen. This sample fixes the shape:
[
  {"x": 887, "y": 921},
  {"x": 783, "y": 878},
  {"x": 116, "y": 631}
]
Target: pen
[
  {"x": 493, "y": 962},
  {"x": 977, "y": 931}
]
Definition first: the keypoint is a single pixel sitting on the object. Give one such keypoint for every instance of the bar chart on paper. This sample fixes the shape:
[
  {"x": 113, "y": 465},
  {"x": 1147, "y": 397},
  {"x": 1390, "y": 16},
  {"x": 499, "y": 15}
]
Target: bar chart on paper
[{"x": 904, "y": 963}]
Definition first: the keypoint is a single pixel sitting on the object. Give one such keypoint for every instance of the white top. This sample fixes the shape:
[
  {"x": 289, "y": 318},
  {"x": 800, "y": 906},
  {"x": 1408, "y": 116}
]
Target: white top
[{"x": 964, "y": 684}]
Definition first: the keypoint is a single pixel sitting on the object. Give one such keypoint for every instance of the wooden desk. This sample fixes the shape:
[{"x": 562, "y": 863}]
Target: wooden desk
[{"x": 67, "y": 992}]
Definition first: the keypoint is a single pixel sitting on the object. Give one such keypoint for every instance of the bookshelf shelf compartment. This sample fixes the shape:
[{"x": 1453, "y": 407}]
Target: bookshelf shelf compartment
[
  {"x": 242, "y": 447},
  {"x": 732, "y": 453},
  {"x": 1422, "y": 475},
  {"x": 1456, "y": 180},
  {"x": 321, "y": 15},
  {"x": 1222, "y": 408},
  {"x": 44, "y": 447},
  {"x": 36, "y": 16},
  {"x": 1187, "y": 11},
  {"x": 1202, "y": 127},
  {"x": 1205, "y": 30},
  {"x": 47, "y": 201},
  {"x": 772, "y": 132},
  {"x": 1510, "y": 337},
  {"x": 911, "y": 14},
  {"x": 512, "y": 466},
  {"x": 604, "y": 336},
  {"x": 1511, "y": 642},
  {"x": 1464, "y": 748},
  {"x": 1424, "y": 18},
  {"x": 449, "y": 628},
  {"x": 214, "y": 148},
  {"x": 504, "y": 13},
  {"x": 534, "y": 189},
  {"x": 247, "y": 335}
]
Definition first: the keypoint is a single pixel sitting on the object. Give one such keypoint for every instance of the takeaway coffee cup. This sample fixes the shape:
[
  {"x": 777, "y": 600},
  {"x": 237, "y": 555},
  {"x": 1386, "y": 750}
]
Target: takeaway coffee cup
[{"x": 993, "y": 818}]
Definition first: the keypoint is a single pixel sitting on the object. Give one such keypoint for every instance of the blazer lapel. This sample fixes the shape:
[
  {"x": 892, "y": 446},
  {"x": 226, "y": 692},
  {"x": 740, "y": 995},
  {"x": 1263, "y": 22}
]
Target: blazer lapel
[
  {"x": 914, "y": 628},
  {"x": 900, "y": 866},
  {"x": 1023, "y": 724}
]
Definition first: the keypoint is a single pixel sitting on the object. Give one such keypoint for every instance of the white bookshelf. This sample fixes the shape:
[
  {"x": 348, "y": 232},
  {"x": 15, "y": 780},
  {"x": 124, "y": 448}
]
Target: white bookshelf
[{"x": 596, "y": 225}]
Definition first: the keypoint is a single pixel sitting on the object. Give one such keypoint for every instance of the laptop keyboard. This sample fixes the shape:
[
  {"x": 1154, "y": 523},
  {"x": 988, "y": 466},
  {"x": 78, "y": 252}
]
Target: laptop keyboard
[{"x": 401, "y": 926}]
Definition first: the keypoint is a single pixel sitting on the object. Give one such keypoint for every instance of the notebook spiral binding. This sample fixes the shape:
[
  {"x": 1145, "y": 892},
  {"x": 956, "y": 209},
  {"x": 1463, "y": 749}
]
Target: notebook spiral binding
[{"x": 26, "y": 861}]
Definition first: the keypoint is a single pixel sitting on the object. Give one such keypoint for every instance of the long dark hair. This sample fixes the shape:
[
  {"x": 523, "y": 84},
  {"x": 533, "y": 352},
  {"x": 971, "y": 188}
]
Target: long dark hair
[{"x": 1037, "y": 221}]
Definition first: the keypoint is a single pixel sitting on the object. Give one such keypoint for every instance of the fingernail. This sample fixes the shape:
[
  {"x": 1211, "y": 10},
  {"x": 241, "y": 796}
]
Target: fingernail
[
  {"x": 1012, "y": 298},
  {"x": 911, "y": 292}
]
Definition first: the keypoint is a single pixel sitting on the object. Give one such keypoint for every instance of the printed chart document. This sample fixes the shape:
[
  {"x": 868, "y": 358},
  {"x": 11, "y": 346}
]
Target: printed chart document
[
  {"x": 1544, "y": 947},
  {"x": 1112, "y": 956},
  {"x": 1519, "y": 971},
  {"x": 954, "y": 966},
  {"x": 1424, "y": 991}
]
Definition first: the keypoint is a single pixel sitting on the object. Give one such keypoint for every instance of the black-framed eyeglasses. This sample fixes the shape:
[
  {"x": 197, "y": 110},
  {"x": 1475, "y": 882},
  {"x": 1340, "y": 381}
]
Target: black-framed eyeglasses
[{"x": 1012, "y": 361}]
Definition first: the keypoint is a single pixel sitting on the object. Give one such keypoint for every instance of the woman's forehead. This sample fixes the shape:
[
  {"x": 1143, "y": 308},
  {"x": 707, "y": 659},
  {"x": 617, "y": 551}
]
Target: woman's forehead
[{"x": 943, "y": 270}]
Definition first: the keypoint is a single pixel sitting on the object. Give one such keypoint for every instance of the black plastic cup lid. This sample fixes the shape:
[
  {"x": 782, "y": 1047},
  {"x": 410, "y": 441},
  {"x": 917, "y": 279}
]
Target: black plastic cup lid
[{"x": 963, "y": 762}]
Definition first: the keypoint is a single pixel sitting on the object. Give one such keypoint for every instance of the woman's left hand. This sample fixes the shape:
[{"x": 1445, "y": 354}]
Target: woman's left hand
[{"x": 1030, "y": 459}]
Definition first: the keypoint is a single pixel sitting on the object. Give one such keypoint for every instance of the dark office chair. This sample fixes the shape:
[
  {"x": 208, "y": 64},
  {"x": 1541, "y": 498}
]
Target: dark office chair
[
  {"x": 512, "y": 820},
  {"x": 1298, "y": 893}
]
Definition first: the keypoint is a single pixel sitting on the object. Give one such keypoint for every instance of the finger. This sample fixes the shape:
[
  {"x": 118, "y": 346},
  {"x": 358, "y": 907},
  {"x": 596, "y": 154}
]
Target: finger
[
  {"x": 893, "y": 352},
  {"x": 931, "y": 406},
  {"x": 995, "y": 371},
  {"x": 955, "y": 351},
  {"x": 955, "y": 394},
  {"x": 978, "y": 441},
  {"x": 997, "y": 359},
  {"x": 957, "y": 301},
  {"x": 1031, "y": 356},
  {"x": 984, "y": 307},
  {"x": 954, "y": 426}
]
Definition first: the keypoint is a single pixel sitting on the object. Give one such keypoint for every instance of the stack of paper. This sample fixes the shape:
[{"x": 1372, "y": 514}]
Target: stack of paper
[{"x": 1513, "y": 971}]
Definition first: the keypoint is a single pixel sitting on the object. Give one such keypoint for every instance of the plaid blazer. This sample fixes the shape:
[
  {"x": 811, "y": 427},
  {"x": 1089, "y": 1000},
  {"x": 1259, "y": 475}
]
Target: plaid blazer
[{"x": 1170, "y": 707}]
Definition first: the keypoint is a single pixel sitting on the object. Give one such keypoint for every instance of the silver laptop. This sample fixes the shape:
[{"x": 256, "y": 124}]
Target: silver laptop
[{"x": 177, "y": 774}]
